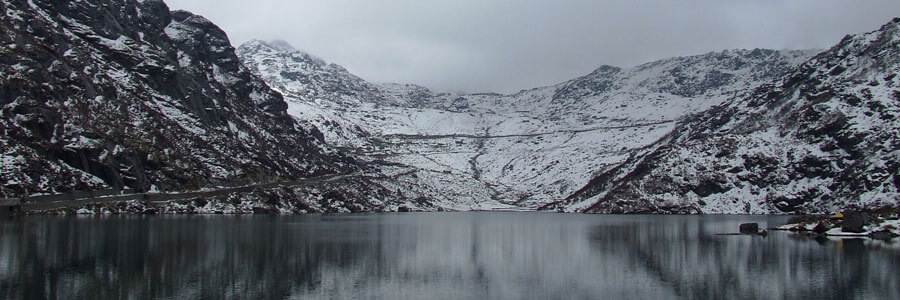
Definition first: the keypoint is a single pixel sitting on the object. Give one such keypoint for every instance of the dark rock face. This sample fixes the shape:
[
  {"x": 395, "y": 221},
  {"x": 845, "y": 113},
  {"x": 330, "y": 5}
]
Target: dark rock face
[
  {"x": 822, "y": 137},
  {"x": 854, "y": 221},
  {"x": 821, "y": 228},
  {"x": 99, "y": 94},
  {"x": 749, "y": 228},
  {"x": 263, "y": 211}
]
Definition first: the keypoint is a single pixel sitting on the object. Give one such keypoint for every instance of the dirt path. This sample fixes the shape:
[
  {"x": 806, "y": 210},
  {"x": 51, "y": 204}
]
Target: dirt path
[
  {"x": 45, "y": 202},
  {"x": 499, "y": 136}
]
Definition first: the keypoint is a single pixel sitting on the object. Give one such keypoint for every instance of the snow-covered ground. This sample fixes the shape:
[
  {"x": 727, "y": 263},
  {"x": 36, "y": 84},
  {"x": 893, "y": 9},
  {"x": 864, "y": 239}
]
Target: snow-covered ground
[
  {"x": 526, "y": 149},
  {"x": 822, "y": 138}
]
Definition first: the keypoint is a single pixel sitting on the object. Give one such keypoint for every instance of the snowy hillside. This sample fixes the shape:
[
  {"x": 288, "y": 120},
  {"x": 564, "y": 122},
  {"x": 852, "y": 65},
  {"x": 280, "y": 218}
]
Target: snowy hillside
[
  {"x": 521, "y": 150},
  {"x": 127, "y": 94},
  {"x": 822, "y": 138}
]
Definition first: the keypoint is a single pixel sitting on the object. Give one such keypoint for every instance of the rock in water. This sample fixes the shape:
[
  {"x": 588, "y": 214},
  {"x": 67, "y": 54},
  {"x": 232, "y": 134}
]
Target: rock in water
[
  {"x": 883, "y": 235},
  {"x": 854, "y": 221},
  {"x": 263, "y": 211},
  {"x": 749, "y": 228},
  {"x": 821, "y": 228}
]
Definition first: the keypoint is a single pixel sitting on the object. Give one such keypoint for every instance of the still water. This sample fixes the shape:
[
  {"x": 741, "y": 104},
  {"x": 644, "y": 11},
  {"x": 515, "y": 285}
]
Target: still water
[{"x": 433, "y": 256}]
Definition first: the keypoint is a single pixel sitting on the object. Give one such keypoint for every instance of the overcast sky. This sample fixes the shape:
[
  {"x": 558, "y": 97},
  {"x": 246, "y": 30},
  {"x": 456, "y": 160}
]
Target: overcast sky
[{"x": 505, "y": 46}]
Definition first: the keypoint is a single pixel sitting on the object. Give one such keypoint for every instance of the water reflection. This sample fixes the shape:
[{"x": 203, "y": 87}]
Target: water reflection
[{"x": 451, "y": 255}]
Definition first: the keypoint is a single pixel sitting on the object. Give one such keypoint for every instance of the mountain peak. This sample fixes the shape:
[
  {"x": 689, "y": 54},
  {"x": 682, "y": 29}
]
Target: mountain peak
[
  {"x": 282, "y": 45},
  {"x": 894, "y": 22},
  {"x": 264, "y": 44},
  {"x": 168, "y": 106},
  {"x": 606, "y": 69},
  {"x": 892, "y": 26},
  {"x": 819, "y": 139},
  {"x": 274, "y": 45}
]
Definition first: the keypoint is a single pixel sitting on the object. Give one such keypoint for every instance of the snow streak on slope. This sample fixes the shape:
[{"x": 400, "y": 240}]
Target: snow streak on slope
[
  {"x": 823, "y": 138},
  {"x": 524, "y": 150}
]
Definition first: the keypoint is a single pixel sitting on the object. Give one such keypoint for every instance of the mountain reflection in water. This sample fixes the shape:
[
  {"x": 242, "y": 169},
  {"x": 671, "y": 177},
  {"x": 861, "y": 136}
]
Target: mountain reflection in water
[{"x": 433, "y": 256}]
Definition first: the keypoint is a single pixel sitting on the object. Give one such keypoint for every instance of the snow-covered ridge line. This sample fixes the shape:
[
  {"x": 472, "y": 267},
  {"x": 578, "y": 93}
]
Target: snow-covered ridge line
[
  {"x": 161, "y": 101},
  {"x": 525, "y": 149},
  {"x": 820, "y": 139}
]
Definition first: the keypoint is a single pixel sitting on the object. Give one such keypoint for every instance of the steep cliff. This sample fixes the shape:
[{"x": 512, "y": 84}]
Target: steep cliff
[{"x": 127, "y": 94}]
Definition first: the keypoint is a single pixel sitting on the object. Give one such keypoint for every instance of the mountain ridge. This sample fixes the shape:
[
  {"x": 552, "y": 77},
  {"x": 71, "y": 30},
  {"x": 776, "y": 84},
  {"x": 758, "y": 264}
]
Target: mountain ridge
[
  {"x": 115, "y": 95},
  {"x": 439, "y": 133},
  {"x": 820, "y": 139},
  {"x": 148, "y": 99}
]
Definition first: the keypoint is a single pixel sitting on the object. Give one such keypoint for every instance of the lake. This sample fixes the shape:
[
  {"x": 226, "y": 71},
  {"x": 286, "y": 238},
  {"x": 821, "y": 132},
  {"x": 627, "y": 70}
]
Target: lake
[{"x": 462, "y": 255}]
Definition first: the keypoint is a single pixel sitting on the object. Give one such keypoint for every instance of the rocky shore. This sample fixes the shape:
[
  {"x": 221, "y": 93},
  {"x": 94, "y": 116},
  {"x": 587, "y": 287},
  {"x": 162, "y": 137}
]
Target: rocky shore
[{"x": 881, "y": 224}]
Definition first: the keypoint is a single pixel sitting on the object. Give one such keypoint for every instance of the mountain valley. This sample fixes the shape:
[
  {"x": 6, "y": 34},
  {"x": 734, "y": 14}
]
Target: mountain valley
[
  {"x": 518, "y": 151},
  {"x": 130, "y": 96}
]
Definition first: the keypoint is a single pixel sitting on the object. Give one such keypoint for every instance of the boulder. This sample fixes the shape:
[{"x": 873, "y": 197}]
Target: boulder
[
  {"x": 883, "y": 235},
  {"x": 749, "y": 228},
  {"x": 821, "y": 228},
  {"x": 262, "y": 211},
  {"x": 854, "y": 221},
  {"x": 403, "y": 209}
]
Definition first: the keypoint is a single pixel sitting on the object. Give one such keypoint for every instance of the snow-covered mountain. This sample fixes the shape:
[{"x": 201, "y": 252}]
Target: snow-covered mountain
[
  {"x": 127, "y": 94},
  {"x": 824, "y": 137},
  {"x": 521, "y": 150}
]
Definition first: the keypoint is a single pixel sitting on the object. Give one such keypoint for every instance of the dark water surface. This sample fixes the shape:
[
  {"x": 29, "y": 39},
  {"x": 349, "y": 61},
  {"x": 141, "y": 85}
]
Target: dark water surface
[{"x": 433, "y": 256}]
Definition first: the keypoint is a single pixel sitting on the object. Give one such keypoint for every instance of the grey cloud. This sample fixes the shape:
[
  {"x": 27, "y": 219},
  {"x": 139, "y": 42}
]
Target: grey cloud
[{"x": 505, "y": 46}]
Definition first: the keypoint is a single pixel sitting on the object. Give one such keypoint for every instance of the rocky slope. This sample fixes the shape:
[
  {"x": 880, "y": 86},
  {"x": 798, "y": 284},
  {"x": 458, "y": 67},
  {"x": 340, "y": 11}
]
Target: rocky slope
[
  {"x": 822, "y": 138},
  {"x": 127, "y": 94},
  {"x": 521, "y": 150}
]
